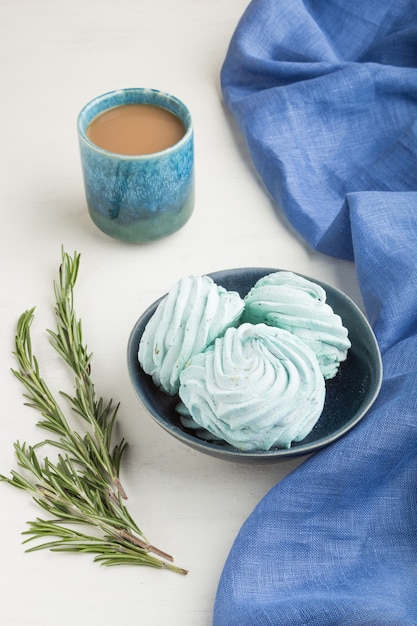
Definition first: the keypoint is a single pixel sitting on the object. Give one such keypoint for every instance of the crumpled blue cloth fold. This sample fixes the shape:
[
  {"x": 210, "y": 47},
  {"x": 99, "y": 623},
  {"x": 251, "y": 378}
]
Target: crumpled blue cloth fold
[{"x": 325, "y": 94}]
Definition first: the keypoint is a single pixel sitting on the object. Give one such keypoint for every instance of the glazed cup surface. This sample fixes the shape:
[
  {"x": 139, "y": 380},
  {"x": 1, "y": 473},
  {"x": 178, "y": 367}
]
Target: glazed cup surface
[{"x": 138, "y": 198}]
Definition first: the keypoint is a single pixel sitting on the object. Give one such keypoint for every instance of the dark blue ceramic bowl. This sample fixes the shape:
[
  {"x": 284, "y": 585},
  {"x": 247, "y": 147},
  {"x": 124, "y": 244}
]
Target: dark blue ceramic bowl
[{"x": 349, "y": 395}]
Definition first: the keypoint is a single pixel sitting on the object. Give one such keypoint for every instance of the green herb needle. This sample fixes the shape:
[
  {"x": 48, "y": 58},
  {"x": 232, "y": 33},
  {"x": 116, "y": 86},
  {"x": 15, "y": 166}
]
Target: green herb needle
[{"x": 82, "y": 487}]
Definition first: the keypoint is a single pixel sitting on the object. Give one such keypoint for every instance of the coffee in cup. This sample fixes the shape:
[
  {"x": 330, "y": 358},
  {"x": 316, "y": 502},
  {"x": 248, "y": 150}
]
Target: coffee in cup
[{"x": 137, "y": 155}]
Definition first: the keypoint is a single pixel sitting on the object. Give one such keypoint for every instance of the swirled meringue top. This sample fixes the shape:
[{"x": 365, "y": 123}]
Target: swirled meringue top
[
  {"x": 194, "y": 312},
  {"x": 289, "y": 301},
  {"x": 256, "y": 387}
]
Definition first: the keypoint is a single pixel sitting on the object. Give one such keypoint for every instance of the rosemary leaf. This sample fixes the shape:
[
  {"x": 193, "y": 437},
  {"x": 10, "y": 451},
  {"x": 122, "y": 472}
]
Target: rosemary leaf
[{"x": 82, "y": 487}]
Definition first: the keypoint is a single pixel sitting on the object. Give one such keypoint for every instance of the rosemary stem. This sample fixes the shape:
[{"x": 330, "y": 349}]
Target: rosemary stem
[
  {"x": 145, "y": 546},
  {"x": 83, "y": 486}
]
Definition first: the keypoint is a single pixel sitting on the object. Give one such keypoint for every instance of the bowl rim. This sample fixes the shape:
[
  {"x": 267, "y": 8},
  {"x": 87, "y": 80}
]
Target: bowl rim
[{"x": 274, "y": 454}]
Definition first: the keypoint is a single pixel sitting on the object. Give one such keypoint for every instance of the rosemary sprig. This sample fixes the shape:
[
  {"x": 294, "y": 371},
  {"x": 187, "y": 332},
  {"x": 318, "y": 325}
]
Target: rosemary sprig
[{"x": 82, "y": 487}]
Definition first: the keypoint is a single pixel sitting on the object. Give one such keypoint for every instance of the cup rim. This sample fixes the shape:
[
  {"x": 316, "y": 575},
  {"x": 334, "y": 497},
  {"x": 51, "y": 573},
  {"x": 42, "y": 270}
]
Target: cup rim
[{"x": 130, "y": 91}]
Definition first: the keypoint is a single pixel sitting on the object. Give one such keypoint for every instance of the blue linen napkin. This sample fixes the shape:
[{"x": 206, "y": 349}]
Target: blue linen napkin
[{"x": 325, "y": 94}]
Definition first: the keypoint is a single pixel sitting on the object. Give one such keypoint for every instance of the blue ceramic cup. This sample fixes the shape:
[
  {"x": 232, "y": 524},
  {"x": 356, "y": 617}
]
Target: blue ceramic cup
[{"x": 138, "y": 198}]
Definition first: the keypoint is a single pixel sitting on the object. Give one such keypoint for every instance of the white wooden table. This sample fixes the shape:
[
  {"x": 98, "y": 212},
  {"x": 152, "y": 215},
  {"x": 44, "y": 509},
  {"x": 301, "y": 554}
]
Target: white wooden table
[{"x": 54, "y": 57}]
